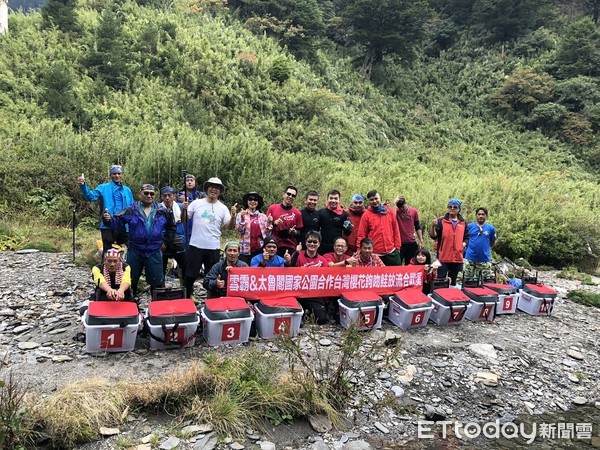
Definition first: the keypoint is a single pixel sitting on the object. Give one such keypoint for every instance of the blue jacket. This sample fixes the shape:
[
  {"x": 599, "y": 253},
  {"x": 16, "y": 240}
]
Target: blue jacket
[
  {"x": 144, "y": 242},
  {"x": 107, "y": 193}
]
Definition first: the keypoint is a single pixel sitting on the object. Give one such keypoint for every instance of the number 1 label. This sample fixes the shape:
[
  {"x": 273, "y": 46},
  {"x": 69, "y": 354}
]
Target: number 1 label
[{"x": 111, "y": 339}]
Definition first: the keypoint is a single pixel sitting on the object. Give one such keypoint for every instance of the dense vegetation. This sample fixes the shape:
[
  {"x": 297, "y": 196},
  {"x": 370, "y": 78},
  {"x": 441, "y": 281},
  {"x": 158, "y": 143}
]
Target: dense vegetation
[{"x": 433, "y": 100}]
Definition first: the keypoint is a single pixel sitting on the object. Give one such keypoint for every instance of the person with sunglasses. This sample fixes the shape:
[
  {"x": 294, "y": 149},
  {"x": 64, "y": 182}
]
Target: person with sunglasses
[
  {"x": 355, "y": 212},
  {"x": 150, "y": 225},
  {"x": 114, "y": 196},
  {"x": 478, "y": 255},
  {"x": 314, "y": 307},
  {"x": 452, "y": 236},
  {"x": 286, "y": 222}
]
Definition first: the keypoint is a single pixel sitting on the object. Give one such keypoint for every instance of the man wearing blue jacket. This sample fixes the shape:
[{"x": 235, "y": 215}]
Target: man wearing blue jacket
[
  {"x": 150, "y": 225},
  {"x": 114, "y": 196}
]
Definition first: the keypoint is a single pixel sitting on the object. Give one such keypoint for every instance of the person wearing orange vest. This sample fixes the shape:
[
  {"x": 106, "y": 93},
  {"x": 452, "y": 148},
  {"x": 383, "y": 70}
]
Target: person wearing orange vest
[{"x": 452, "y": 236}]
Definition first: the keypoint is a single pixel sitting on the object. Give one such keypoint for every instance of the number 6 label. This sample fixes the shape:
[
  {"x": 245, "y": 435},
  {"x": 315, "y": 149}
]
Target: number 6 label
[
  {"x": 230, "y": 332},
  {"x": 417, "y": 318}
]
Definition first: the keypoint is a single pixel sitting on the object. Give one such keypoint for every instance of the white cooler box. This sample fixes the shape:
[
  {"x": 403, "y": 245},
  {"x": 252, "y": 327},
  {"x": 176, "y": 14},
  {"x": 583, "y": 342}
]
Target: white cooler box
[
  {"x": 363, "y": 309},
  {"x": 410, "y": 309},
  {"x": 226, "y": 320},
  {"x": 110, "y": 326},
  {"x": 508, "y": 297},
  {"x": 537, "y": 299},
  {"x": 278, "y": 316},
  {"x": 450, "y": 306},
  {"x": 484, "y": 302},
  {"x": 172, "y": 323}
]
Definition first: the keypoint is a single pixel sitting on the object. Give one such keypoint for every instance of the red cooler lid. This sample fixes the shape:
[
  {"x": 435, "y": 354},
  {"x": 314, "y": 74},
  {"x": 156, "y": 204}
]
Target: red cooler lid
[
  {"x": 284, "y": 302},
  {"x": 452, "y": 295},
  {"x": 361, "y": 296},
  {"x": 541, "y": 289},
  {"x": 413, "y": 297},
  {"x": 480, "y": 291},
  {"x": 171, "y": 307},
  {"x": 112, "y": 309},
  {"x": 226, "y": 304}
]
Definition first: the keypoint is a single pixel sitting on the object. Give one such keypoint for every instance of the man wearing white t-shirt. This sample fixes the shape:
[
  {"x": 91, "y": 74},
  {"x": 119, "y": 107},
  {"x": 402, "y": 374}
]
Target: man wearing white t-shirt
[{"x": 208, "y": 215}]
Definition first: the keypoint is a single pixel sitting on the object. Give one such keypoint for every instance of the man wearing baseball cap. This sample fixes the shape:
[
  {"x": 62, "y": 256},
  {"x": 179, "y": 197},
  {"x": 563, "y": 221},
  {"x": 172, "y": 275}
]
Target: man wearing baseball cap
[
  {"x": 114, "y": 196},
  {"x": 150, "y": 225},
  {"x": 208, "y": 216}
]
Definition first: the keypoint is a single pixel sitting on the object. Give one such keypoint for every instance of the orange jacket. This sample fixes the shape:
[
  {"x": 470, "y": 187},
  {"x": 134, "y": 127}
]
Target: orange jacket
[
  {"x": 382, "y": 228},
  {"x": 450, "y": 239}
]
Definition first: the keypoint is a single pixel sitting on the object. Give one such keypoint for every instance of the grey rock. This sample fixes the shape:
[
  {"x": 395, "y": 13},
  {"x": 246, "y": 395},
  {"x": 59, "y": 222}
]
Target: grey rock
[
  {"x": 575, "y": 354},
  {"x": 483, "y": 350},
  {"x": 208, "y": 442},
  {"x": 357, "y": 445},
  {"x": 573, "y": 378},
  {"x": 7, "y": 312},
  {"x": 28, "y": 345},
  {"x": 236, "y": 446},
  {"x": 266, "y": 445},
  {"x": 21, "y": 328},
  {"x": 381, "y": 427},
  {"x": 570, "y": 363},
  {"x": 320, "y": 423},
  {"x": 384, "y": 375},
  {"x": 434, "y": 413},
  {"x": 580, "y": 401},
  {"x": 319, "y": 445},
  {"x": 105, "y": 431},
  {"x": 398, "y": 391},
  {"x": 325, "y": 342},
  {"x": 27, "y": 251},
  {"x": 170, "y": 443}
]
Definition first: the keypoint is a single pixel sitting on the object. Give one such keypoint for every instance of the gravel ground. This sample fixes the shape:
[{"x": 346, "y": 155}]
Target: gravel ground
[{"x": 534, "y": 372}]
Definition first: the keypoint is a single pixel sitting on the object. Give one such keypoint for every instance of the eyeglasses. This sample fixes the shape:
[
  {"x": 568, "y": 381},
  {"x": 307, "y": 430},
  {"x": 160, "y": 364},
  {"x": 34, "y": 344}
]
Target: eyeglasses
[
  {"x": 312, "y": 242},
  {"x": 452, "y": 207},
  {"x": 149, "y": 193},
  {"x": 252, "y": 199},
  {"x": 289, "y": 194}
]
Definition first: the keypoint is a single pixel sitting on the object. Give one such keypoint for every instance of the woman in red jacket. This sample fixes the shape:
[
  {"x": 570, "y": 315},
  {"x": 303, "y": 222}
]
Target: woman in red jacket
[{"x": 452, "y": 237}]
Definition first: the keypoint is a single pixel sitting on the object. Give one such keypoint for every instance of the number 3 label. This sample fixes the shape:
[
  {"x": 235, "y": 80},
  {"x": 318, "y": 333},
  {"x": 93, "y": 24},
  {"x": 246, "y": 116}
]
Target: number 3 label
[{"x": 230, "y": 332}]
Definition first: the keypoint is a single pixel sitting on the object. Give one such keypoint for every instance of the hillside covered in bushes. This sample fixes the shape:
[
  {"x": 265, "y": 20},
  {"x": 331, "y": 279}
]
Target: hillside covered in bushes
[{"x": 494, "y": 102}]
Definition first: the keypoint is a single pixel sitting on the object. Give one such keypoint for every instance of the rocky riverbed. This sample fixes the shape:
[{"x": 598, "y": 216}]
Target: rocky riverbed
[{"x": 538, "y": 373}]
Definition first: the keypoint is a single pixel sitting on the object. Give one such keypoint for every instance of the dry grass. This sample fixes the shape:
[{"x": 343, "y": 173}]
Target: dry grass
[
  {"x": 78, "y": 411},
  {"x": 232, "y": 392}
]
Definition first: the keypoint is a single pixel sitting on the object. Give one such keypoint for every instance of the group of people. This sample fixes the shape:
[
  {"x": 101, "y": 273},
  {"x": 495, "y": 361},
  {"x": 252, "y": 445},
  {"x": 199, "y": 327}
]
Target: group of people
[{"x": 187, "y": 226}]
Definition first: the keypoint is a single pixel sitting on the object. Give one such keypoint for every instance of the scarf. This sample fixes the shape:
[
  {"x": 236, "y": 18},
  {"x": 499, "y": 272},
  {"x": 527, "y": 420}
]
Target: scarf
[
  {"x": 176, "y": 211},
  {"x": 338, "y": 209},
  {"x": 380, "y": 210},
  {"x": 118, "y": 274}
]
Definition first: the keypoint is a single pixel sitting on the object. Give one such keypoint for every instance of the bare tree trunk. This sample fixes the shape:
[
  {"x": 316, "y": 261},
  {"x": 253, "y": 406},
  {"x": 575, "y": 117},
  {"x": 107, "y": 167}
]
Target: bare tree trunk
[{"x": 373, "y": 57}]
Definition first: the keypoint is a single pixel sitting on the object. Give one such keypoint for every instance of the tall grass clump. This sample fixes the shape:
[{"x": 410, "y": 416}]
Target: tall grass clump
[
  {"x": 77, "y": 412},
  {"x": 18, "y": 420}
]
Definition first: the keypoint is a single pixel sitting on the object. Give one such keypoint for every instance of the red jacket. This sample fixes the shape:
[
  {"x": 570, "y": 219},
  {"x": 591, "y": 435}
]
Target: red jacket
[
  {"x": 382, "y": 228},
  {"x": 450, "y": 239}
]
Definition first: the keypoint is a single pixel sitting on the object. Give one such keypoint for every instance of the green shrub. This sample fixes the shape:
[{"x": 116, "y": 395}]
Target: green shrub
[{"x": 584, "y": 298}]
